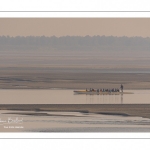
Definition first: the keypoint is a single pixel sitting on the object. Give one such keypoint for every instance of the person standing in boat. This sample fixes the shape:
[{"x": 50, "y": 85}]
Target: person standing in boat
[{"x": 121, "y": 87}]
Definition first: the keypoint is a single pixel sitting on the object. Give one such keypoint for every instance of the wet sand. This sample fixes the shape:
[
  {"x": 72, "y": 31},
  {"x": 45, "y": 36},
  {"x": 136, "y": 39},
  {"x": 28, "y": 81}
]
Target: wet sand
[
  {"x": 141, "y": 110},
  {"x": 31, "y": 79}
]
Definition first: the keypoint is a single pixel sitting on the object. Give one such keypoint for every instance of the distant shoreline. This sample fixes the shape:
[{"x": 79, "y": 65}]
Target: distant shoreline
[
  {"x": 61, "y": 89},
  {"x": 51, "y": 80}
]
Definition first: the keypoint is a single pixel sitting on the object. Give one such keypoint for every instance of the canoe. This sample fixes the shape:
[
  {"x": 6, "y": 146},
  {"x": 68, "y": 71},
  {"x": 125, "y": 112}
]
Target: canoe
[{"x": 100, "y": 93}]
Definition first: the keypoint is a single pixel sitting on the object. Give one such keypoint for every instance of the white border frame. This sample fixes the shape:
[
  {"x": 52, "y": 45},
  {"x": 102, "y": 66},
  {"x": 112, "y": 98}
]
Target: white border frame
[{"x": 78, "y": 9}]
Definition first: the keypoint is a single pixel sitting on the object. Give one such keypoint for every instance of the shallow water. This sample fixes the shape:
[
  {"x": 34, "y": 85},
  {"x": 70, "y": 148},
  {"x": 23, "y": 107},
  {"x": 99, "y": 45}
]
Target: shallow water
[
  {"x": 61, "y": 96},
  {"x": 72, "y": 122}
]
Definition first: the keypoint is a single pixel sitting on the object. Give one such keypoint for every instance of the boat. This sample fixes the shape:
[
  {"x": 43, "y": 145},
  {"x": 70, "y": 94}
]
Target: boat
[{"x": 101, "y": 92}]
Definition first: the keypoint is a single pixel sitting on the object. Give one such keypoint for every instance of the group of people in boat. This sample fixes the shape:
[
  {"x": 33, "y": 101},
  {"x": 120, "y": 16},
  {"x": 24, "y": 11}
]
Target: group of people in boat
[
  {"x": 106, "y": 90},
  {"x": 103, "y": 90}
]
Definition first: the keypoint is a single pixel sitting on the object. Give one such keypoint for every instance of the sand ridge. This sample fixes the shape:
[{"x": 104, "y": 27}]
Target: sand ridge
[{"x": 141, "y": 110}]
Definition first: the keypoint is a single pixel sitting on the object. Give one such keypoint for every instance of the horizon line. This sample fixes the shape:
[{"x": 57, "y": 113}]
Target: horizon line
[{"x": 73, "y": 36}]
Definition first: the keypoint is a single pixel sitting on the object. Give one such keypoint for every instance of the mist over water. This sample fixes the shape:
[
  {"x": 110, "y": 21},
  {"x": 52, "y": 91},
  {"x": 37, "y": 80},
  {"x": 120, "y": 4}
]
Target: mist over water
[{"x": 90, "y": 54}]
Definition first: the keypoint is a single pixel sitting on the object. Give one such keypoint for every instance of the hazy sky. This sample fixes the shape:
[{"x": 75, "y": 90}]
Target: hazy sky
[{"x": 75, "y": 26}]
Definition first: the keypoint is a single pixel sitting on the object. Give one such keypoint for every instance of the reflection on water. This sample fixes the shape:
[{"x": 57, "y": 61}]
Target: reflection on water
[
  {"x": 104, "y": 99},
  {"x": 121, "y": 98},
  {"x": 68, "y": 97},
  {"x": 72, "y": 122}
]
